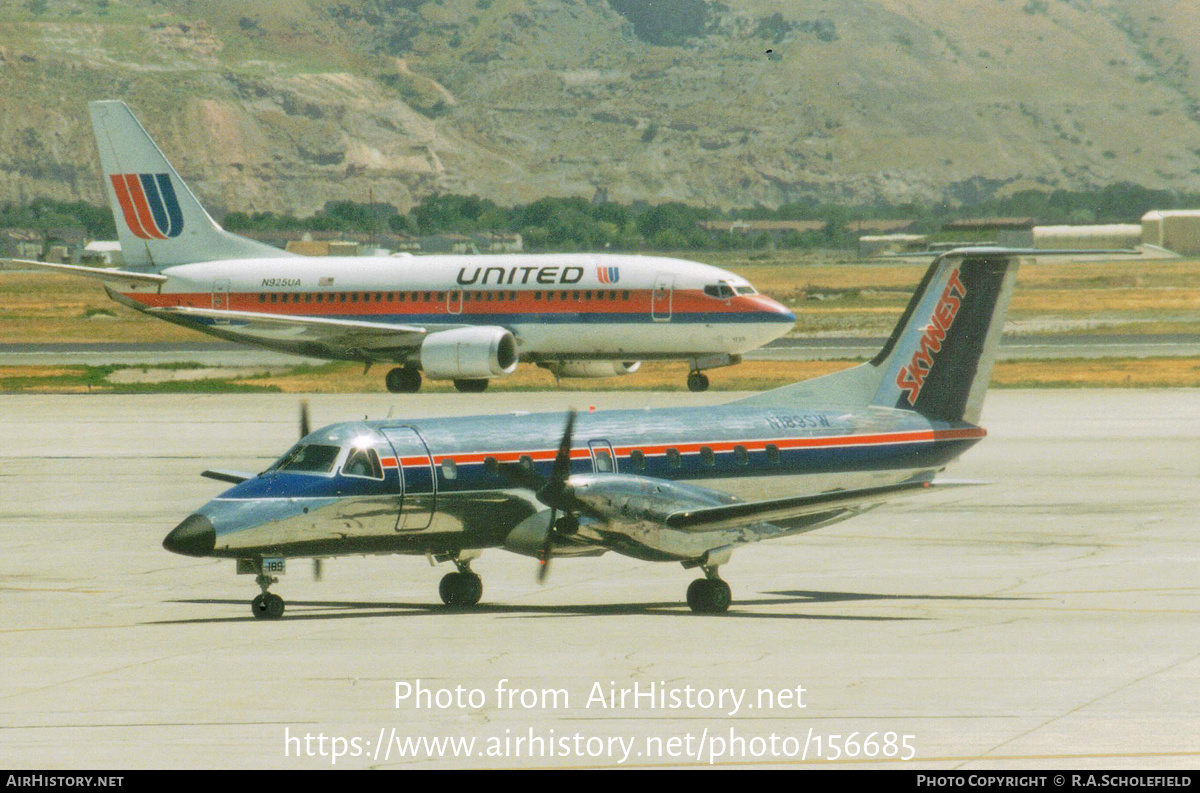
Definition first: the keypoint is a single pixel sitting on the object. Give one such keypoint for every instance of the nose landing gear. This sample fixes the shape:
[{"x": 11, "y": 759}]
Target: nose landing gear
[{"x": 266, "y": 605}]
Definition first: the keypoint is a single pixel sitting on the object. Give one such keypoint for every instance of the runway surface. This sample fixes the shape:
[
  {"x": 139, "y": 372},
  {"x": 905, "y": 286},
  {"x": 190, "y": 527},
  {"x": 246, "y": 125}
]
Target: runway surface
[
  {"x": 1049, "y": 620},
  {"x": 218, "y": 353}
]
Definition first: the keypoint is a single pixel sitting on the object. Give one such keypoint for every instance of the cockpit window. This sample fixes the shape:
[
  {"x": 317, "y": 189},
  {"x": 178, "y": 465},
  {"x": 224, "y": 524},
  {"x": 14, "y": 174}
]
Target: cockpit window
[
  {"x": 362, "y": 462},
  {"x": 312, "y": 458},
  {"x": 721, "y": 289},
  {"x": 747, "y": 290}
]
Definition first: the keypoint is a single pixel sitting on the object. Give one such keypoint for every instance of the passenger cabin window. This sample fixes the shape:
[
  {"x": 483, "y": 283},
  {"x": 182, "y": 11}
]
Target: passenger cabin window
[
  {"x": 604, "y": 461},
  {"x": 707, "y": 458},
  {"x": 449, "y": 469},
  {"x": 673, "y": 458},
  {"x": 526, "y": 462},
  {"x": 491, "y": 465},
  {"x": 772, "y": 454},
  {"x": 740, "y": 455},
  {"x": 363, "y": 463},
  {"x": 637, "y": 460},
  {"x": 312, "y": 458}
]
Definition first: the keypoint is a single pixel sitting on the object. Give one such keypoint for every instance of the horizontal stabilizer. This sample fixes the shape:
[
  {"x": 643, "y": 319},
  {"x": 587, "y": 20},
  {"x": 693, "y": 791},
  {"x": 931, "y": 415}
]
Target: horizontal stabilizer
[
  {"x": 233, "y": 477},
  {"x": 102, "y": 274}
]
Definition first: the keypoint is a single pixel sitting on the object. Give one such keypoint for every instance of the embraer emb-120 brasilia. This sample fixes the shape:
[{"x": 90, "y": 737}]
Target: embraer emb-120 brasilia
[
  {"x": 460, "y": 318},
  {"x": 686, "y": 485}
]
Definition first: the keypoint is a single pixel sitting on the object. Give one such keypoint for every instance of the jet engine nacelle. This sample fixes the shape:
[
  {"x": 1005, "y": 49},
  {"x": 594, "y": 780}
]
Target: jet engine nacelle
[
  {"x": 593, "y": 368},
  {"x": 469, "y": 353}
]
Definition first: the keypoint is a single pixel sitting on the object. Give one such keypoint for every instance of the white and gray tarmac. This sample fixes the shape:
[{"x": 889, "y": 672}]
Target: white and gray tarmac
[{"x": 1046, "y": 621}]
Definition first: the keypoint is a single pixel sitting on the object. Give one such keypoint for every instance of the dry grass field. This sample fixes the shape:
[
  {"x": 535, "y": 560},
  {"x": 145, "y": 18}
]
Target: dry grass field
[{"x": 829, "y": 297}]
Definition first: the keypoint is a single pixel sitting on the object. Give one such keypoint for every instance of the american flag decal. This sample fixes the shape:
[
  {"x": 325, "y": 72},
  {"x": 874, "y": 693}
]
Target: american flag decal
[
  {"x": 327, "y": 281},
  {"x": 149, "y": 205},
  {"x": 608, "y": 275}
]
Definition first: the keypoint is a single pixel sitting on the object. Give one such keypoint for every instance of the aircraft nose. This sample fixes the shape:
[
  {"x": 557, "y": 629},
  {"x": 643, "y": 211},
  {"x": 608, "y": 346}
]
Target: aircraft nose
[
  {"x": 784, "y": 313},
  {"x": 195, "y": 536}
]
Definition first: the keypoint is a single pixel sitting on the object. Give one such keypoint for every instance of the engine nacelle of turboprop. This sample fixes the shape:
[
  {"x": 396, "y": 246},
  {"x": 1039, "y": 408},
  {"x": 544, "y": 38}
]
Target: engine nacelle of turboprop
[
  {"x": 469, "y": 353},
  {"x": 593, "y": 368}
]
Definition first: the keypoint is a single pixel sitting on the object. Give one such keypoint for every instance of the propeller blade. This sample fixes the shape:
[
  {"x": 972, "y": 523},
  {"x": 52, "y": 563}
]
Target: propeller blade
[
  {"x": 317, "y": 565},
  {"x": 304, "y": 427},
  {"x": 562, "y": 460},
  {"x": 547, "y": 546}
]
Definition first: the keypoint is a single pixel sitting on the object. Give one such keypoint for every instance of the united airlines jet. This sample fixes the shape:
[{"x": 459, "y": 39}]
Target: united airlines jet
[{"x": 461, "y": 318}]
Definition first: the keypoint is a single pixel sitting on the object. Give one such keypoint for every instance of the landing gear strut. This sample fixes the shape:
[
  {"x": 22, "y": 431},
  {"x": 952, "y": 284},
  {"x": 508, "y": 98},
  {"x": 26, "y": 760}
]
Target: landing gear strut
[
  {"x": 403, "y": 380},
  {"x": 266, "y": 605},
  {"x": 697, "y": 381},
  {"x": 471, "y": 386},
  {"x": 461, "y": 589},
  {"x": 709, "y": 595}
]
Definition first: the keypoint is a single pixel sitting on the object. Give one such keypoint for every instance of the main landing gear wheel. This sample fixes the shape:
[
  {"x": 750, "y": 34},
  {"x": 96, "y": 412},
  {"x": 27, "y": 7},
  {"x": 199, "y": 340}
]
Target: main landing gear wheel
[
  {"x": 471, "y": 386},
  {"x": 267, "y": 606},
  {"x": 403, "y": 380},
  {"x": 697, "y": 381},
  {"x": 461, "y": 590},
  {"x": 709, "y": 596}
]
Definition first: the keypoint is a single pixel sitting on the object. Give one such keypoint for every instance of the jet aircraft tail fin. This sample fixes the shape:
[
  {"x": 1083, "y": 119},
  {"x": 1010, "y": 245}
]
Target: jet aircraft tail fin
[
  {"x": 159, "y": 221},
  {"x": 939, "y": 358}
]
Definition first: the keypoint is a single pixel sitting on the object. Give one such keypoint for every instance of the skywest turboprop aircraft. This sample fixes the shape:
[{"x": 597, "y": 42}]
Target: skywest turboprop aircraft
[
  {"x": 460, "y": 318},
  {"x": 687, "y": 485}
]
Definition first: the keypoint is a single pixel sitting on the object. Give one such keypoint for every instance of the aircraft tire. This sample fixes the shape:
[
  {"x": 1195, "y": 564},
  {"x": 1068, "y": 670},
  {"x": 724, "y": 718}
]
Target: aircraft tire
[
  {"x": 471, "y": 386},
  {"x": 697, "y": 381},
  {"x": 709, "y": 596},
  {"x": 267, "y": 606},
  {"x": 461, "y": 590},
  {"x": 403, "y": 380}
]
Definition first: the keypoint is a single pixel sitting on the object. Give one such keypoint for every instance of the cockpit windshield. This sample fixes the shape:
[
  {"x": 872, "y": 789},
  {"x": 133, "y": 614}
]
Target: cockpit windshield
[
  {"x": 310, "y": 458},
  {"x": 723, "y": 289}
]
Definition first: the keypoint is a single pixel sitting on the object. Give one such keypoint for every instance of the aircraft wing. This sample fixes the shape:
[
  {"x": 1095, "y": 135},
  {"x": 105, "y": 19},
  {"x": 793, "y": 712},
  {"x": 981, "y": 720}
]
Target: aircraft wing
[
  {"x": 331, "y": 332},
  {"x": 119, "y": 277},
  {"x": 742, "y": 513}
]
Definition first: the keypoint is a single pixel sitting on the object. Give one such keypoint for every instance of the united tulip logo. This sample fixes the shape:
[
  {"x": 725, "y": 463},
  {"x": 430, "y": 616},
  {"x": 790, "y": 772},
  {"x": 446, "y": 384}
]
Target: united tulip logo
[
  {"x": 608, "y": 275},
  {"x": 148, "y": 202}
]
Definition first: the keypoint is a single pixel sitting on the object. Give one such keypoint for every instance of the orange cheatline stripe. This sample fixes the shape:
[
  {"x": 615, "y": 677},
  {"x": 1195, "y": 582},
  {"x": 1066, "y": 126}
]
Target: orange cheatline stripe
[{"x": 717, "y": 447}]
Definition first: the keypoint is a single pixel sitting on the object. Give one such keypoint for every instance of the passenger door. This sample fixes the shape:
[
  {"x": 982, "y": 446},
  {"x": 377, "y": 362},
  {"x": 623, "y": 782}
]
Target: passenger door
[
  {"x": 660, "y": 298},
  {"x": 418, "y": 485},
  {"x": 220, "y": 294},
  {"x": 603, "y": 459}
]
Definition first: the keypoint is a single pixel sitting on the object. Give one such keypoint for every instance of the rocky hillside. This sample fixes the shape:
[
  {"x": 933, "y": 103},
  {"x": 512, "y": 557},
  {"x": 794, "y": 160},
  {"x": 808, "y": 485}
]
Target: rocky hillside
[{"x": 284, "y": 105}]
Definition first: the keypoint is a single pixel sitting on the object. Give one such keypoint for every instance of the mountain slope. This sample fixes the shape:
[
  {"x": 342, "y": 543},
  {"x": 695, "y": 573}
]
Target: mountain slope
[{"x": 284, "y": 106}]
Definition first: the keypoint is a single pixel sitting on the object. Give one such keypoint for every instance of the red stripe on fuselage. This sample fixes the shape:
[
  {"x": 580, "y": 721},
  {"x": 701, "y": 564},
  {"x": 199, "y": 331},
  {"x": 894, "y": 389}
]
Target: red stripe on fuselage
[
  {"x": 686, "y": 302},
  {"x": 757, "y": 445}
]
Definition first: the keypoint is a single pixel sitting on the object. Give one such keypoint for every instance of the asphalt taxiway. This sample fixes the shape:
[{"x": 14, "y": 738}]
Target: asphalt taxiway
[{"x": 1048, "y": 620}]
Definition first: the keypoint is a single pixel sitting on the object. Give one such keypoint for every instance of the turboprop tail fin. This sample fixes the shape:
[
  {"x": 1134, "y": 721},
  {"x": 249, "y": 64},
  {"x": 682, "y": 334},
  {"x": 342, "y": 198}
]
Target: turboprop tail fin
[{"x": 939, "y": 358}]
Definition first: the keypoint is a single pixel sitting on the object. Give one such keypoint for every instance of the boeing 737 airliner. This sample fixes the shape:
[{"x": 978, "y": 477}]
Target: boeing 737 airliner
[{"x": 460, "y": 318}]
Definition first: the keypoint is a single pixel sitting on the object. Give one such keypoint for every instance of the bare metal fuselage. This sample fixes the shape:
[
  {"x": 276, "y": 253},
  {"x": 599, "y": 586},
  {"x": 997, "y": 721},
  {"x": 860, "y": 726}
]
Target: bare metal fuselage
[{"x": 443, "y": 490}]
